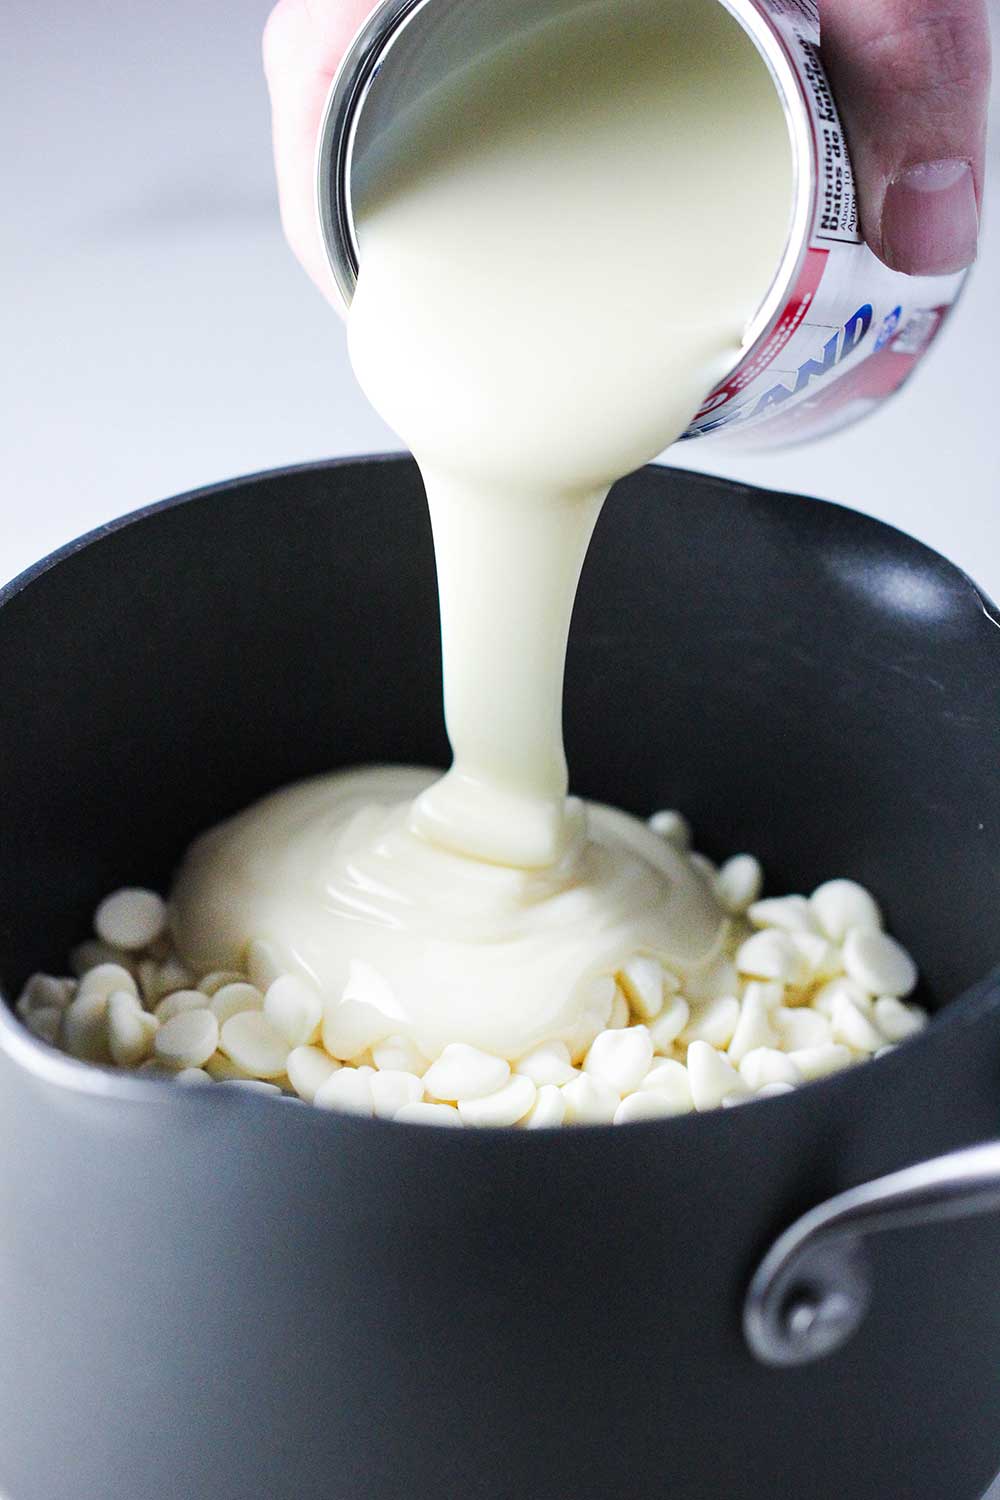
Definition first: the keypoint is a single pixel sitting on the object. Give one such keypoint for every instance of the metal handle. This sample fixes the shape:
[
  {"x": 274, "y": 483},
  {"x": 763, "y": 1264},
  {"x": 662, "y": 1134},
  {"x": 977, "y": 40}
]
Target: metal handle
[{"x": 811, "y": 1291}]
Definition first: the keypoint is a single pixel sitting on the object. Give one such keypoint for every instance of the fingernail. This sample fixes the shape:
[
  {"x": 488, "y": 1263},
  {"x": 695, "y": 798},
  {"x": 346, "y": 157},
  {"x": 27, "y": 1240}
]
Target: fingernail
[{"x": 930, "y": 220}]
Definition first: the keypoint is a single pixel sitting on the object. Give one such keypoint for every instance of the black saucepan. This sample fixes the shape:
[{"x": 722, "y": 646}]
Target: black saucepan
[{"x": 206, "y": 1295}]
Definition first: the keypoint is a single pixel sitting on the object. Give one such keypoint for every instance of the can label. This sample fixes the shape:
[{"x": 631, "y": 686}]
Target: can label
[{"x": 850, "y": 330}]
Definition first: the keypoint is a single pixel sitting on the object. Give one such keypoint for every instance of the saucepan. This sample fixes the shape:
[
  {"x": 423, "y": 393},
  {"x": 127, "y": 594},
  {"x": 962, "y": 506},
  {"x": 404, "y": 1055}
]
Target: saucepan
[{"x": 207, "y": 1293}]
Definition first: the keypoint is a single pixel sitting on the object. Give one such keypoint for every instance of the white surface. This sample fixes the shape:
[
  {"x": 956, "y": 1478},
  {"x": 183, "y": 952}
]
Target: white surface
[{"x": 158, "y": 335}]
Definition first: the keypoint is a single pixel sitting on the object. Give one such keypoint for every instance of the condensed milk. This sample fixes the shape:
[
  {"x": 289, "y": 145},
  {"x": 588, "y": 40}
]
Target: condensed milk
[{"x": 487, "y": 906}]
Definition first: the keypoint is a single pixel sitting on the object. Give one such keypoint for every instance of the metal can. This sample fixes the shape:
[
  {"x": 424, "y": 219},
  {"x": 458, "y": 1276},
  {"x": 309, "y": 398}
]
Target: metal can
[{"x": 838, "y": 332}]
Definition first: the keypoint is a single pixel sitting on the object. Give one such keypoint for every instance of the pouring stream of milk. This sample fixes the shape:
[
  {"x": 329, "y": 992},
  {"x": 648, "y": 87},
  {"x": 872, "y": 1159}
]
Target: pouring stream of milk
[{"x": 561, "y": 248}]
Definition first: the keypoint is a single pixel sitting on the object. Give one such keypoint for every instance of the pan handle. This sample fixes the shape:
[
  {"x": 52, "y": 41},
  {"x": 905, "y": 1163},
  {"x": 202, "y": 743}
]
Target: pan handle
[{"x": 811, "y": 1291}]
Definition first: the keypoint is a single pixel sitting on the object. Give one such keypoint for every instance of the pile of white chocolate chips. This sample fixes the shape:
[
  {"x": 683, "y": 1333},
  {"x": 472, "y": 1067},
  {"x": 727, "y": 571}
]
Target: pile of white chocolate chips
[{"x": 805, "y": 986}]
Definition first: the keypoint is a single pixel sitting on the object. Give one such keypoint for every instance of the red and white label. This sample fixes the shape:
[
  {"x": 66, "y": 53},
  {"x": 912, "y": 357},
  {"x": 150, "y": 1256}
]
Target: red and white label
[{"x": 850, "y": 330}]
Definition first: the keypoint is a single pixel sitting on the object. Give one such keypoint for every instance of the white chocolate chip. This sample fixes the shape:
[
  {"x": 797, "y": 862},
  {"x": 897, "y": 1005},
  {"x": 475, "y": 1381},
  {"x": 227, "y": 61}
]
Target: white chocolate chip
[
  {"x": 294, "y": 1010},
  {"x": 106, "y": 979},
  {"x": 224, "y": 1070},
  {"x": 739, "y": 883},
  {"x": 429, "y": 1114},
  {"x": 801, "y": 1028},
  {"x": 714, "y": 1023},
  {"x": 131, "y": 919},
  {"x": 399, "y": 1054},
  {"x": 620, "y": 1059},
  {"x": 839, "y": 905},
  {"x": 711, "y": 1076},
  {"x": 766, "y": 1065},
  {"x": 157, "y": 980},
  {"x": 825, "y": 998},
  {"x": 131, "y": 1030},
  {"x": 188, "y": 1039},
  {"x": 589, "y": 1101},
  {"x": 878, "y": 963},
  {"x": 768, "y": 992},
  {"x": 754, "y": 1028},
  {"x": 772, "y": 1090},
  {"x": 818, "y": 1062},
  {"x": 786, "y": 913},
  {"x": 547, "y": 1064},
  {"x": 193, "y": 1075},
  {"x": 351, "y": 1027},
  {"x": 180, "y": 1001},
  {"x": 252, "y": 1043},
  {"x": 463, "y": 1072},
  {"x": 234, "y": 998},
  {"x": 308, "y": 1070},
  {"x": 771, "y": 954},
  {"x": 672, "y": 826},
  {"x": 43, "y": 992},
  {"x": 670, "y": 1078},
  {"x": 651, "y": 1104},
  {"x": 897, "y": 1021},
  {"x": 548, "y": 1110},
  {"x": 349, "y": 1090},
  {"x": 391, "y": 1088},
  {"x": 84, "y": 1028},
  {"x": 670, "y": 1023},
  {"x": 851, "y": 1026},
  {"x": 505, "y": 1107},
  {"x": 641, "y": 979},
  {"x": 821, "y": 959},
  {"x": 218, "y": 979}
]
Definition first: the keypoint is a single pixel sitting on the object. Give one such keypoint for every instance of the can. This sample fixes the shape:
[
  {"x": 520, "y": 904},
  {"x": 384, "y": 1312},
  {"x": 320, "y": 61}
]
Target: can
[{"x": 838, "y": 332}]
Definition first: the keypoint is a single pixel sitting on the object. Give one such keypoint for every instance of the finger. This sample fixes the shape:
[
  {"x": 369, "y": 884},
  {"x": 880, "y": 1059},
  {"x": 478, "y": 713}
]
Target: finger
[
  {"x": 304, "y": 41},
  {"x": 912, "y": 82}
]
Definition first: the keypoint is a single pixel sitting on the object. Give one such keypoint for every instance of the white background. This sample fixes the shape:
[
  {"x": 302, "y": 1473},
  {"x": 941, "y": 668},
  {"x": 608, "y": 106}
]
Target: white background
[{"x": 157, "y": 335}]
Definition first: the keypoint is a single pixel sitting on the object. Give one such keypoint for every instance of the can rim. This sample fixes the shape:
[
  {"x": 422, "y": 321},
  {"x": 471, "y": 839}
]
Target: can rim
[
  {"x": 804, "y": 168},
  {"x": 338, "y": 133},
  {"x": 363, "y": 60}
]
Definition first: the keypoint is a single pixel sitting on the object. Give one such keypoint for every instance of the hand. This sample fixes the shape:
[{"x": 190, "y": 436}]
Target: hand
[
  {"x": 911, "y": 78},
  {"x": 304, "y": 41}
]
